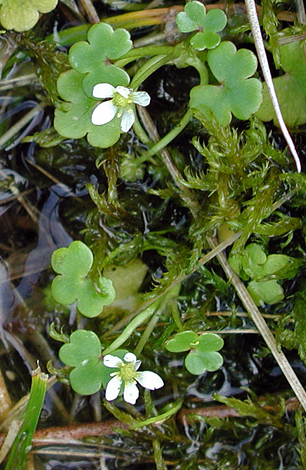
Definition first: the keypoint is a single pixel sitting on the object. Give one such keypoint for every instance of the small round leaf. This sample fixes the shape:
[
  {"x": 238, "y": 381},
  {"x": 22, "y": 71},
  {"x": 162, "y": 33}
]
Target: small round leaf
[
  {"x": 238, "y": 94},
  {"x": 209, "y": 342},
  {"x": 269, "y": 292},
  {"x": 181, "y": 341},
  {"x": 73, "y": 284},
  {"x": 197, "y": 361},
  {"x": 83, "y": 346},
  {"x": 86, "y": 379}
]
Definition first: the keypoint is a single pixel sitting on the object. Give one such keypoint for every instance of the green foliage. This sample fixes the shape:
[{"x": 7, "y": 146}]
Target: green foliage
[
  {"x": 269, "y": 292},
  {"x": 93, "y": 57},
  {"x": 73, "y": 120},
  {"x": 202, "y": 355},
  {"x": 237, "y": 94},
  {"x": 291, "y": 328},
  {"x": 83, "y": 354},
  {"x": 18, "y": 458},
  {"x": 195, "y": 18},
  {"x": 73, "y": 284},
  {"x": 265, "y": 271},
  {"x": 91, "y": 64},
  {"x": 252, "y": 408},
  {"x": 290, "y": 87},
  {"x": 22, "y": 17}
]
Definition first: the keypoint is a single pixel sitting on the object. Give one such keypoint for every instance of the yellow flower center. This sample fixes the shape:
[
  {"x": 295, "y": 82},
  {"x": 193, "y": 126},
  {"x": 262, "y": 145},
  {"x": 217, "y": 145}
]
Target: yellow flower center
[
  {"x": 127, "y": 371},
  {"x": 122, "y": 102}
]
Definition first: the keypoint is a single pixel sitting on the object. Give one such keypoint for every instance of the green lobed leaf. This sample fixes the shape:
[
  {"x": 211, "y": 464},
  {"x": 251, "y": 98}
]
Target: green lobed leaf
[
  {"x": 73, "y": 120},
  {"x": 87, "y": 379},
  {"x": 269, "y": 292},
  {"x": 197, "y": 362},
  {"x": 209, "y": 342},
  {"x": 93, "y": 57},
  {"x": 194, "y": 18},
  {"x": 22, "y": 16},
  {"x": 72, "y": 285},
  {"x": 290, "y": 87},
  {"x": 275, "y": 264},
  {"x": 253, "y": 261},
  {"x": 182, "y": 341},
  {"x": 84, "y": 353},
  {"x": 237, "y": 94},
  {"x": 83, "y": 346}
]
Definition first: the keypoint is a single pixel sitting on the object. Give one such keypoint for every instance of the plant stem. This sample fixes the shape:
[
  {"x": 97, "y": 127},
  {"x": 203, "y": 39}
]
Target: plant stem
[
  {"x": 148, "y": 68},
  {"x": 20, "y": 124},
  {"x": 139, "y": 130},
  {"x": 171, "y": 135},
  {"x": 261, "y": 325},
  {"x": 261, "y": 52},
  {"x": 172, "y": 294},
  {"x": 131, "y": 327},
  {"x": 90, "y": 11}
]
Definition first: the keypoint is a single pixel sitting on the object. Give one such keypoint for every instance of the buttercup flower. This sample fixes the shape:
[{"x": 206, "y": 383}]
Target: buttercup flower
[
  {"x": 127, "y": 375},
  {"x": 120, "y": 105}
]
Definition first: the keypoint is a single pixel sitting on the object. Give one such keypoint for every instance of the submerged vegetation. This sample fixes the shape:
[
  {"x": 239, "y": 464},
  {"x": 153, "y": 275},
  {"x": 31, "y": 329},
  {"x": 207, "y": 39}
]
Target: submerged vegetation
[{"x": 158, "y": 221}]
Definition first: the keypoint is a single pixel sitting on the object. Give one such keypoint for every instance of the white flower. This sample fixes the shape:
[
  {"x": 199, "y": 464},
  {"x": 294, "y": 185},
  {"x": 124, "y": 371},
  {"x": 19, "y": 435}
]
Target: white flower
[
  {"x": 120, "y": 106},
  {"x": 127, "y": 374}
]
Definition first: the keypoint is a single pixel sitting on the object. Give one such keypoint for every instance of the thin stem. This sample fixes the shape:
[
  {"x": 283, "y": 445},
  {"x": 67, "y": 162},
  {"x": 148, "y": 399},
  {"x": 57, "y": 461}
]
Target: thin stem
[
  {"x": 131, "y": 327},
  {"x": 18, "y": 81},
  {"x": 200, "y": 67},
  {"x": 176, "y": 316},
  {"x": 300, "y": 9},
  {"x": 90, "y": 11},
  {"x": 139, "y": 130},
  {"x": 172, "y": 294},
  {"x": 171, "y": 135},
  {"x": 147, "y": 332},
  {"x": 158, "y": 456},
  {"x": 259, "y": 44},
  {"x": 186, "y": 193},
  {"x": 20, "y": 124},
  {"x": 261, "y": 325},
  {"x": 146, "y": 70}
]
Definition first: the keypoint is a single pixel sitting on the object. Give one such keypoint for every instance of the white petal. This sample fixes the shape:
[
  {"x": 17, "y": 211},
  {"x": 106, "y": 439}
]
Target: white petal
[
  {"x": 149, "y": 380},
  {"x": 131, "y": 393},
  {"x": 141, "y": 97},
  {"x": 125, "y": 92},
  {"x": 104, "y": 113},
  {"x": 130, "y": 357},
  {"x": 137, "y": 364},
  {"x": 113, "y": 388},
  {"x": 112, "y": 361},
  {"x": 127, "y": 120},
  {"x": 103, "y": 90}
]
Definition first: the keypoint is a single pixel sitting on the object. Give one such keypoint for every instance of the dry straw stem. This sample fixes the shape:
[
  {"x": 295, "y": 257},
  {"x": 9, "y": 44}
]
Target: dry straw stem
[
  {"x": 242, "y": 292},
  {"x": 262, "y": 56},
  {"x": 261, "y": 325}
]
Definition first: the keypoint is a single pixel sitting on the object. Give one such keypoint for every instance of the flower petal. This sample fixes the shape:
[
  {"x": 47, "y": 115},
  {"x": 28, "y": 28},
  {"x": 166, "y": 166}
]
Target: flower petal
[
  {"x": 129, "y": 357},
  {"x": 103, "y": 90},
  {"x": 150, "y": 380},
  {"x": 113, "y": 388},
  {"x": 112, "y": 361},
  {"x": 141, "y": 97},
  {"x": 137, "y": 364},
  {"x": 123, "y": 91},
  {"x": 104, "y": 113},
  {"x": 131, "y": 393},
  {"x": 127, "y": 120}
]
